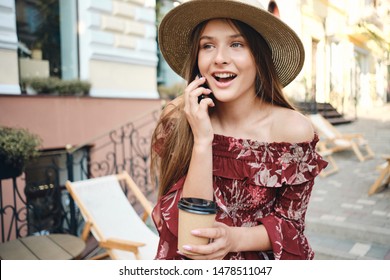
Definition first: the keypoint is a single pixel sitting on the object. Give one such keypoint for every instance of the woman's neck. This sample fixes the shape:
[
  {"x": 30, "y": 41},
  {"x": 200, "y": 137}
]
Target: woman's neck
[{"x": 240, "y": 118}]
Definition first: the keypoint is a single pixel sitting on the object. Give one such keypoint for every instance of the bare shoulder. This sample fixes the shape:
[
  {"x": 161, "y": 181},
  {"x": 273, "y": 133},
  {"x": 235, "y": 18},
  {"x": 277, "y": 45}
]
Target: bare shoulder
[{"x": 292, "y": 126}]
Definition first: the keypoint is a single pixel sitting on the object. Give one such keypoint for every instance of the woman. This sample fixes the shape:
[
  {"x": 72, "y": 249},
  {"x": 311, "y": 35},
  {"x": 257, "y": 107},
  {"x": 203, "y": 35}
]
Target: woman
[{"x": 242, "y": 144}]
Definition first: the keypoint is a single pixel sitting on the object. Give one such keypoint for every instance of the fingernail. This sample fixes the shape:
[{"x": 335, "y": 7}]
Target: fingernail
[
  {"x": 187, "y": 247},
  {"x": 195, "y": 231}
]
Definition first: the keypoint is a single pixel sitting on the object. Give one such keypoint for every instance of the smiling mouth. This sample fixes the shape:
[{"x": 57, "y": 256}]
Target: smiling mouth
[{"x": 224, "y": 77}]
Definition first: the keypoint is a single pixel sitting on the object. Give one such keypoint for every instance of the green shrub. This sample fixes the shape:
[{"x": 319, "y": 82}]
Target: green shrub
[
  {"x": 18, "y": 145},
  {"x": 57, "y": 86}
]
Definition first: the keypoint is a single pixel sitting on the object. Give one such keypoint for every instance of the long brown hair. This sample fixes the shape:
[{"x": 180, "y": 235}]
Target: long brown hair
[{"x": 172, "y": 140}]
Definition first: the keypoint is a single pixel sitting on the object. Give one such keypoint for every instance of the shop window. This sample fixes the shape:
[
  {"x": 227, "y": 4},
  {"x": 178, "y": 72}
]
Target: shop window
[{"x": 47, "y": 38}]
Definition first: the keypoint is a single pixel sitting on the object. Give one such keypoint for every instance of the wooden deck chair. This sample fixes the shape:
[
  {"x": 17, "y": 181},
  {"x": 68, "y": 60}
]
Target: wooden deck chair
[
  {"x": 335, "y": 141},
  {"x": 112, "y": 220},
  {"x": 384, "y": 176}
]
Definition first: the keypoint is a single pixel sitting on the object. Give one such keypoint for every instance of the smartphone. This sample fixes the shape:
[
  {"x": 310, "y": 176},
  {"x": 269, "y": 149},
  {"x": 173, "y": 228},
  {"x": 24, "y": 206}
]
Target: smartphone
[{"x": 202, "y": 96}]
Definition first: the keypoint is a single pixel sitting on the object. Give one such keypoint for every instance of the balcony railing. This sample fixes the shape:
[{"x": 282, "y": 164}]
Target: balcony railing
[{"x": 38, "y": 203}]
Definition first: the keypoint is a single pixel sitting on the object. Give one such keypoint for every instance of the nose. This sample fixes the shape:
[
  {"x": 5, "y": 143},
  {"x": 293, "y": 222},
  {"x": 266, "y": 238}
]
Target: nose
[{"x": 221, "y": 56}]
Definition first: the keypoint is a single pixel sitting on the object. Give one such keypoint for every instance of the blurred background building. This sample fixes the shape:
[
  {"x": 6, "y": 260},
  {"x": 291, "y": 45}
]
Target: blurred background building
[
  {"x": 347, "y": 47},
  {"x": 112, "y": 44},
  {"x": 109, "y": 43}
]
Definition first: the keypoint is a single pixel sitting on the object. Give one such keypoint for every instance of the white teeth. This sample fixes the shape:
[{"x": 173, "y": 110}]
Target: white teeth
[{"x": 224, "y": 75}]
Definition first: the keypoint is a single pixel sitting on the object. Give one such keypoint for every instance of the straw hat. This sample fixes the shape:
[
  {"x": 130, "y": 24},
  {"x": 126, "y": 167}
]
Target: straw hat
[{"x": 178, "y": 24}]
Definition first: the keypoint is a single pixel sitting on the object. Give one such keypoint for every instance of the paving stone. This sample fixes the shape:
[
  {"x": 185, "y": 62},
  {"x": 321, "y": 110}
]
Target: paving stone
[
  {"x": 341, "y": 214},
  {"x": 360, "y": 249}
]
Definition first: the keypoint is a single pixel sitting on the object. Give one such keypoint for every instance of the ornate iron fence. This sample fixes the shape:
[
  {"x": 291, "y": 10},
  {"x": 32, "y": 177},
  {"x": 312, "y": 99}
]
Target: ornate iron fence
[{"x": 38, "y": 203}]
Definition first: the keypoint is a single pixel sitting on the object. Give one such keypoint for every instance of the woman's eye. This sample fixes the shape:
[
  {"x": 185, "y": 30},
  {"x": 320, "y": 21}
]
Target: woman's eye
[
  {"x": 236, "y": 45},
  {"x": 207, "y": 46}
]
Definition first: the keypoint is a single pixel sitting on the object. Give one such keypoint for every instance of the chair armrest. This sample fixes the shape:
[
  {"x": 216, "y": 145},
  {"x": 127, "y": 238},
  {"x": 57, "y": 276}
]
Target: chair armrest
[
  {"x": 120, "y": 244},
  {"x": 352, "y": 135},
  {"x": 386, "y": 157}
]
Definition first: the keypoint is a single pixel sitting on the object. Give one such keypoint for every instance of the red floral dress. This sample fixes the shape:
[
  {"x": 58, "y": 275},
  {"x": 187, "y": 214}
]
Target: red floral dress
[{"x": 254, "y": 183}]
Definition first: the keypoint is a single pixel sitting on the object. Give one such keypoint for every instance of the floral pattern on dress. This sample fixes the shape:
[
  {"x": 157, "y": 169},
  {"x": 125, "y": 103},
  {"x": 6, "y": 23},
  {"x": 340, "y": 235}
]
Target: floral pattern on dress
[{"x": 254, "y": 183}]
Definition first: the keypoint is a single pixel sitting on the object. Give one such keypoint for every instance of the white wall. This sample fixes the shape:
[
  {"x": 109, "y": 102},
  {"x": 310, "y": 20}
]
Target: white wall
[
  {"x": 9, "y": 78},
  {"x": 122, "y": 33}
]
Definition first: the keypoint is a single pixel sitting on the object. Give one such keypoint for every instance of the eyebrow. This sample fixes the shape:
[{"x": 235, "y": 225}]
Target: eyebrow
[{"x": 231, "y": 36}]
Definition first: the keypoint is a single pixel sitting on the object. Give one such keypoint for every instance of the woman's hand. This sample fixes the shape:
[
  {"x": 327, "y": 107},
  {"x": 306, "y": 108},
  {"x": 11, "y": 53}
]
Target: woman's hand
[
  {"x": 197, "y": 113},
  {"x": 223, "y": 241}
]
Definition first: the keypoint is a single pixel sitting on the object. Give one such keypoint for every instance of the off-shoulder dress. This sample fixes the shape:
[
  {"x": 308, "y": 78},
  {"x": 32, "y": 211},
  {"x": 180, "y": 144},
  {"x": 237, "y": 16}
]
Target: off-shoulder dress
[{"x": 254, "y": 183}]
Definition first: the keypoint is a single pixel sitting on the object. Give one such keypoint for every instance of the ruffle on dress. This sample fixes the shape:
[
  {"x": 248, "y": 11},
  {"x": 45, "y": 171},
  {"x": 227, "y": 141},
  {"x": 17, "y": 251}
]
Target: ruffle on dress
[
  {"x": 266, "y": 164},
  {"x": 295, "y": 246}
]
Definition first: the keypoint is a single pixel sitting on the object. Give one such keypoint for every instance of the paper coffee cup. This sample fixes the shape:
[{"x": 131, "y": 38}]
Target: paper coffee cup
[{"x": 194, "y": 213}]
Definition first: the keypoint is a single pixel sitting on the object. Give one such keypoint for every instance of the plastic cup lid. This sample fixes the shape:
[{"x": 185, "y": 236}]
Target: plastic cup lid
[{"x": 197, "y": 205}]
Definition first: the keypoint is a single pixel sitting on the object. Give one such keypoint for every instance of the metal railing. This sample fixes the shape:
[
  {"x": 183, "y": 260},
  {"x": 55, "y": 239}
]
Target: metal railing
[{"x": 38, "y": 203}]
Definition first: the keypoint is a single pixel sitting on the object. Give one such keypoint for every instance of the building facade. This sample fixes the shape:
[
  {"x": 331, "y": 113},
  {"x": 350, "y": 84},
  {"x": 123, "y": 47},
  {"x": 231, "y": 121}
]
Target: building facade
[
  {"x": 347, "y": 45},
  {"x": 110, "y": 43}
]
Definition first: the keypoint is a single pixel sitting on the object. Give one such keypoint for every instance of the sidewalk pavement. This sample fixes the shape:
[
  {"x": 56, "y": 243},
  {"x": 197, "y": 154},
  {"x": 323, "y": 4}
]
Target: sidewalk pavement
[{"x": 343, "y": 221}]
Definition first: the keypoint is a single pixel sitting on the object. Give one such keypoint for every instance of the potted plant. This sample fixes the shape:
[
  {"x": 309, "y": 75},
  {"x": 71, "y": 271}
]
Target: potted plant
[{"x": 18, "y": 146}]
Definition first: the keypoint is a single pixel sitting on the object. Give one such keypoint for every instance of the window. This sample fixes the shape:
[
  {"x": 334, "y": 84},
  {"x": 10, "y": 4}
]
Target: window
[{"x": 47, "y": 38}]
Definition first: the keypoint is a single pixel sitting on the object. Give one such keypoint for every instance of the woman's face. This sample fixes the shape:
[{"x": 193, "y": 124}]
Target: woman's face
[{"x": 226, "y": 61}]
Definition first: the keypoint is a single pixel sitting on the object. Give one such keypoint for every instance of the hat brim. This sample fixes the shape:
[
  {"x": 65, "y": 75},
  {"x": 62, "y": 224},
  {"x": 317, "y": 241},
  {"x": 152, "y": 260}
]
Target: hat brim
[{"x": 178, "y": 24}]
